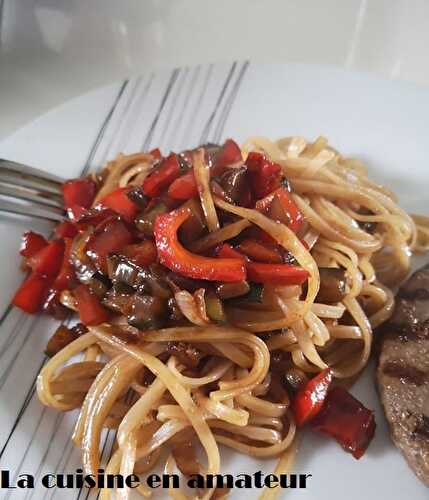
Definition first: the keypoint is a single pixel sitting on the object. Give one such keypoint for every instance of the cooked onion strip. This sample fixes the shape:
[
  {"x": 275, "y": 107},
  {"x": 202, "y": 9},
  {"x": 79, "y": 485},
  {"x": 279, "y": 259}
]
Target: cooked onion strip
[
  {"x": 116, "y": 168},
  {"x": 190, "y": 307},
  {"x": 227, "y": 232},
  {"x": 202, "y": 176}
]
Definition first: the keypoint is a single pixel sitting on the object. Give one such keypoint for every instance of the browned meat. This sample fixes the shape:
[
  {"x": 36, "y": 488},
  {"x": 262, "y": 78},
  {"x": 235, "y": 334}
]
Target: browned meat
[{"x": 403, "y": 372}]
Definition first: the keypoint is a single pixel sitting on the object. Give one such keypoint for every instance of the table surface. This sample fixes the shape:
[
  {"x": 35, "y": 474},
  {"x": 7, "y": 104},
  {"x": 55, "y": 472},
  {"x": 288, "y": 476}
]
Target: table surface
[{"x": 53, "y": 50}]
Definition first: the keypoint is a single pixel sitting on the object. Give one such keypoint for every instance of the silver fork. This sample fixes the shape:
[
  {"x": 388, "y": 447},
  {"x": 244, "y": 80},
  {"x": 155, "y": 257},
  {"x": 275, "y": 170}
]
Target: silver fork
[{"x": 29, "y": 191}]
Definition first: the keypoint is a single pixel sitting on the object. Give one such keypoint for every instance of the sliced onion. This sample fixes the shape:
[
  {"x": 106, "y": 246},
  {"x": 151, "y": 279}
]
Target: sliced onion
[
  {"x": 202, "y": 176},
  {"x": 193, "y": 306},
  {"x": 141, "y": 170},
  {"x": 285, "y": 237},
  {"x": 201, "y": 303},
  {"x": 223, "y": 234},
  {"x": 115, "y": 170}
]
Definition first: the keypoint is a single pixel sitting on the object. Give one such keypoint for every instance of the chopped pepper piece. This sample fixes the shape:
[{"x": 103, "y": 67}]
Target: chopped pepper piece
[
  {"x": 265, "y": 176},
  {"x": 262, "y": 252},
  {"x": 91, "y": 311},
  {"x": 32, "y": 293},
  {"x": 184, "y": 187},
  {"x": 174, "y": 256},
  {"x": 156, "y": 153},
  {"x": 65, "y": 229},
  {"x": 119, "y": 202},
  {"x": 167, "y": 171},
  {"x": 78, "y": 195},
  {"x": 310, "y": 398},
  {"x": 258, "y": 272},
  {"x": 48, "y": 260},
  {"x": 229, "y": 154},
  {"x": 111, "y": 237},
  {"x": 277, "y": 274},
  {"x": 226, "y": 251},
  {"x": 66, "y": 275},
  {"x": 31, "y": 243},
  {"x": 295, "y": 218},
  {"x": 345, "y": 419},
  {"x": 143, "y": 253}
]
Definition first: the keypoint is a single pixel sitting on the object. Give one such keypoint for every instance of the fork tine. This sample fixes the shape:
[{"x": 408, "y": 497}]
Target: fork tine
[
  {"x": 29, "y": 177},
  {"x": 46, "y": 199},
  {"x": 32, "y": 210}
]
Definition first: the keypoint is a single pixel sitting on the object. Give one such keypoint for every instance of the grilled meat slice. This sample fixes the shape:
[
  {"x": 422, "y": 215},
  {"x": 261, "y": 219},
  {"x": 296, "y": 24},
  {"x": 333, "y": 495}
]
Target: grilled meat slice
[{"x": 403, "y": 372}]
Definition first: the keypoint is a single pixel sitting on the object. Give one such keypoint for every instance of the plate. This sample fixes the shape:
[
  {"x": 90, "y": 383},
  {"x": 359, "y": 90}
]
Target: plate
[{"x": 382, "y": 122}]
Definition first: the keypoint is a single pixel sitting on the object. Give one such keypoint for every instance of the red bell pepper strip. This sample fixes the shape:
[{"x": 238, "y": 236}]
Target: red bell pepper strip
[
  {"x": 174, "y": 256},
  {"x": 277, "y": 274},
  {"x": 167, "y": 171},
  {"x": 184, "y": 187},
  {"x": 47, "y": 261},
  {"x": 292, "y": 212},
  {"x": 345, "y": 419},
  {"x": 226, "y": 251},
  {"x": 258, "y": 272},
  {"x": 111, "y": 236},
  {"x": 31, "y": 243},
  {"x": 310, "y": 398},
  {"x": 78, "y": 194},
  {"x": 119, "y": 202},
  {"x": 229, "y": 154},
  {"x": 261, "y": 252},
  {"x": 143, "y": 253},
  {"x": 66, "y": 276},
  {"x": 265, "y": 176},
  {"x": 91, "y": 311},
  {"x": 65, "y": 229},
  {"x": 76, "y": 212},
  {"x": 156, "y": 153},
  {"x": 32, "y": 293}
]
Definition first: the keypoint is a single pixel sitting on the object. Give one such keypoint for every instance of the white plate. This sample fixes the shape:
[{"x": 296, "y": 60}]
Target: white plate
[{"x": 383, "y": 122}]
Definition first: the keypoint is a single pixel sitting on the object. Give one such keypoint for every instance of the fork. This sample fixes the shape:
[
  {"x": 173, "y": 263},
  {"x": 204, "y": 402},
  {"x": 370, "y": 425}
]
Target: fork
[{"x": 39, "y": 192}]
